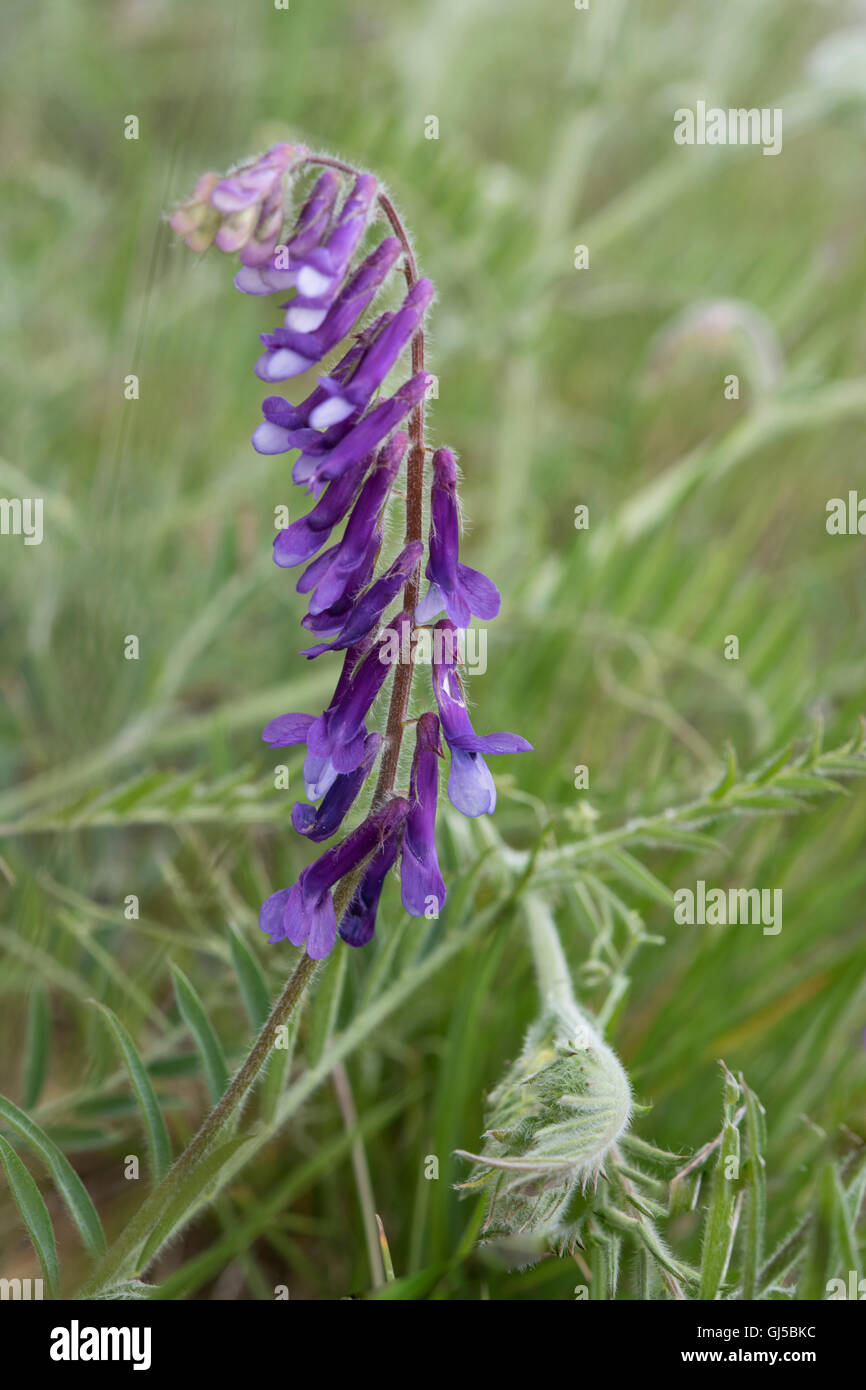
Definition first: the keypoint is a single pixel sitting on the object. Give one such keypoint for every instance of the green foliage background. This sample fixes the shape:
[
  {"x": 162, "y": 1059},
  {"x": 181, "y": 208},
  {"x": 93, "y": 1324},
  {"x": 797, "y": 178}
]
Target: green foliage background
[{"x": 557, "y": 387}]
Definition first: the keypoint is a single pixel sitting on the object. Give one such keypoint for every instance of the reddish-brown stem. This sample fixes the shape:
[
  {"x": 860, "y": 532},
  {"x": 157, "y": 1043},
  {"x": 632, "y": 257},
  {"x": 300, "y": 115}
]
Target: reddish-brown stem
[{"x": 398, "y": 709}]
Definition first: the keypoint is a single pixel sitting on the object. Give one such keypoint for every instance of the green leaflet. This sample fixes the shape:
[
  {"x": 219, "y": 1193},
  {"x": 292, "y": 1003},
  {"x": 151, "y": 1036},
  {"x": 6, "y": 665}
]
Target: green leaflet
[
  {"x": 34, "y": 1214},
  {"x": 157, "y": 1134},
  {"x": 722, "y": 1213},
  {"x": 66, "y": 1180},
  {"x": 195, "y": 1017}
]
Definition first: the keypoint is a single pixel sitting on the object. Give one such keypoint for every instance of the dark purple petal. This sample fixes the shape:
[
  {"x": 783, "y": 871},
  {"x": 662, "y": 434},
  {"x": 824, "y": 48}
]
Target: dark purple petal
[
  {"x": 338, "y": 736},
  {"x": 305, "y": 537},
  {"x": 289, "y": 354},
  {"x": 368, "y": 610},
  {"x": 358, "y": 922},
  {"x": 470, "y": 784},
  {"x": 272, "y": 914},
  {"x": 373, "y": 427},
  {"x": 287, "y": 730},
  {"x": 421, "y": 883},
  {"x": 461, "y": 591},
  {"x": 323, "y": 268},
  {"x": 344, "y": 397},
  {"x": 323, "y": 822}
]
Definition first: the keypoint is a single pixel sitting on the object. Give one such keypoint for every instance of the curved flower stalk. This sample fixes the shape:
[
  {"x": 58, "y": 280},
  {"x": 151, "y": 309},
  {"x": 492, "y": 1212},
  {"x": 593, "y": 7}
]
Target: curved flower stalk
[
  {"x": 350, "y": 449},
  {"x": 557, "y": 1114}
]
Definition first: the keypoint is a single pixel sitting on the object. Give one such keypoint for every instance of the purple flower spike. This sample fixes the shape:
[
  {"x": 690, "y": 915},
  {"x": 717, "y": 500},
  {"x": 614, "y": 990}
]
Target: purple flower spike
[
  {"x": 304, "y": 914},
  {"x": 302, "y": 539},
  {"x": 461, "y": 591},
  {"x": 290, "y": 353},
  {"x": 470, "y": 785},
  {"x": 369, "y": 608},
  {"x": 358, "y": 922},
  {"x": 345, "y": 396},
  {"x": 323, "y": 822},
  {"x": 336, "y": 740},
  {"x": 323, "y": 268},
  {"x": 421, "y": 884}
]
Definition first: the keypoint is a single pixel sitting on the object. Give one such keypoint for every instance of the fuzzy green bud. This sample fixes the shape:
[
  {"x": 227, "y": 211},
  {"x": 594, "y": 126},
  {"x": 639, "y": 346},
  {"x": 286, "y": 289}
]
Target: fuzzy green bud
[{"x": 558, "y": 1111}]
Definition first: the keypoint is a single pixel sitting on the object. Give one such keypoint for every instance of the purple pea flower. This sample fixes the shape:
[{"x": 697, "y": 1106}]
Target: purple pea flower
[
  {"x": 345, "y": 396},
  {"x": 368, "y": 610},
  {"x": 290, "y": 353},
  {"x": 323, "y": 268},
  {"x": 461, "y": 591},
  {"x": 320, "y": 823},
  {"x": 359, "y": 920},
  {"x": 421, "y": 883},
  {"x": 470, "y": 785},
  {"x": 370, "y": 430},
  {"x": 334, "y": 618},
  {"x": 304, "y": 914},
  {"x": 280, "y": 271},
  {"x": 331, "y": 581},
  {"x": 287, "y": 426},
  {"x": 303, "y": 538},
  {"x": 250, "y": 202},
  {"x": 335, "y": 741}
]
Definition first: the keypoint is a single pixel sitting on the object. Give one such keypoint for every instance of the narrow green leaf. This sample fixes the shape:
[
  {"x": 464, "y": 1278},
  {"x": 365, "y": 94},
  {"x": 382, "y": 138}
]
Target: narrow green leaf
[
  {"x": 36, "y": 1047},
  {"x": 66, "y": 1180},
  {"x": 194, "y": 1016},
  {"x": 639, "y": 877},
  {"x": 154, "y": 1125},
  {"x": 818, "y": 1266},
  {"x": 720, "y": 1225},
  {"x": 756, "y": 1196},
  {"x": 326, "y": 1004},
  {"x": 34, "y": 1214},
  {"x": 729, "y": 775},
  {"x": 254, "y": 989}
]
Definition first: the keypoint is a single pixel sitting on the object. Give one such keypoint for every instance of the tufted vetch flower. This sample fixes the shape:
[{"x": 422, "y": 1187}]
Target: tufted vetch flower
[{"x": 357, "y": 440}]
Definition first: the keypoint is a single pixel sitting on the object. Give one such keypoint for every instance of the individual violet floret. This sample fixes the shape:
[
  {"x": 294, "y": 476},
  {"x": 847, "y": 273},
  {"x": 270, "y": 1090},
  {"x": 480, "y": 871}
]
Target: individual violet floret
[
  {"x": 314, "y": 219},
  {"x": 461, "y": 591},
  {"x": 290, "y": 353},
  {"x": 304, "y": 914},
  {"x": 470, "y": 786},
  {"x": 345, "y": 395},
  {"x": 323, "y": 268},
  {"x": 336, "y": 740},
  {"x": 305, "y": 537},
  {"x": 368, "y": 609},
  {"x": 329, "y": 582},
  {"x": 320, "y": 823},
  {"x": 421, "y": 883},
  {"x": 359, "y": 920},
  {"x": 366, "y": 435}
]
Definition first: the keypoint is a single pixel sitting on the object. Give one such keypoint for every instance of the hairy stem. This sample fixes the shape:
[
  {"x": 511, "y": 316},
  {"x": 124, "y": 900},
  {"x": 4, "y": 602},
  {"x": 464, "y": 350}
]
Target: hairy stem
[{"x": 120, "y": 1261}]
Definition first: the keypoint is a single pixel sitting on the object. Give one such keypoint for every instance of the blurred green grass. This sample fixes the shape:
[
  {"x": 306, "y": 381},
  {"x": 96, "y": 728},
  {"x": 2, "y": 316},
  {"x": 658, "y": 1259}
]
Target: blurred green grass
[{"x": 707, "y": 518}]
